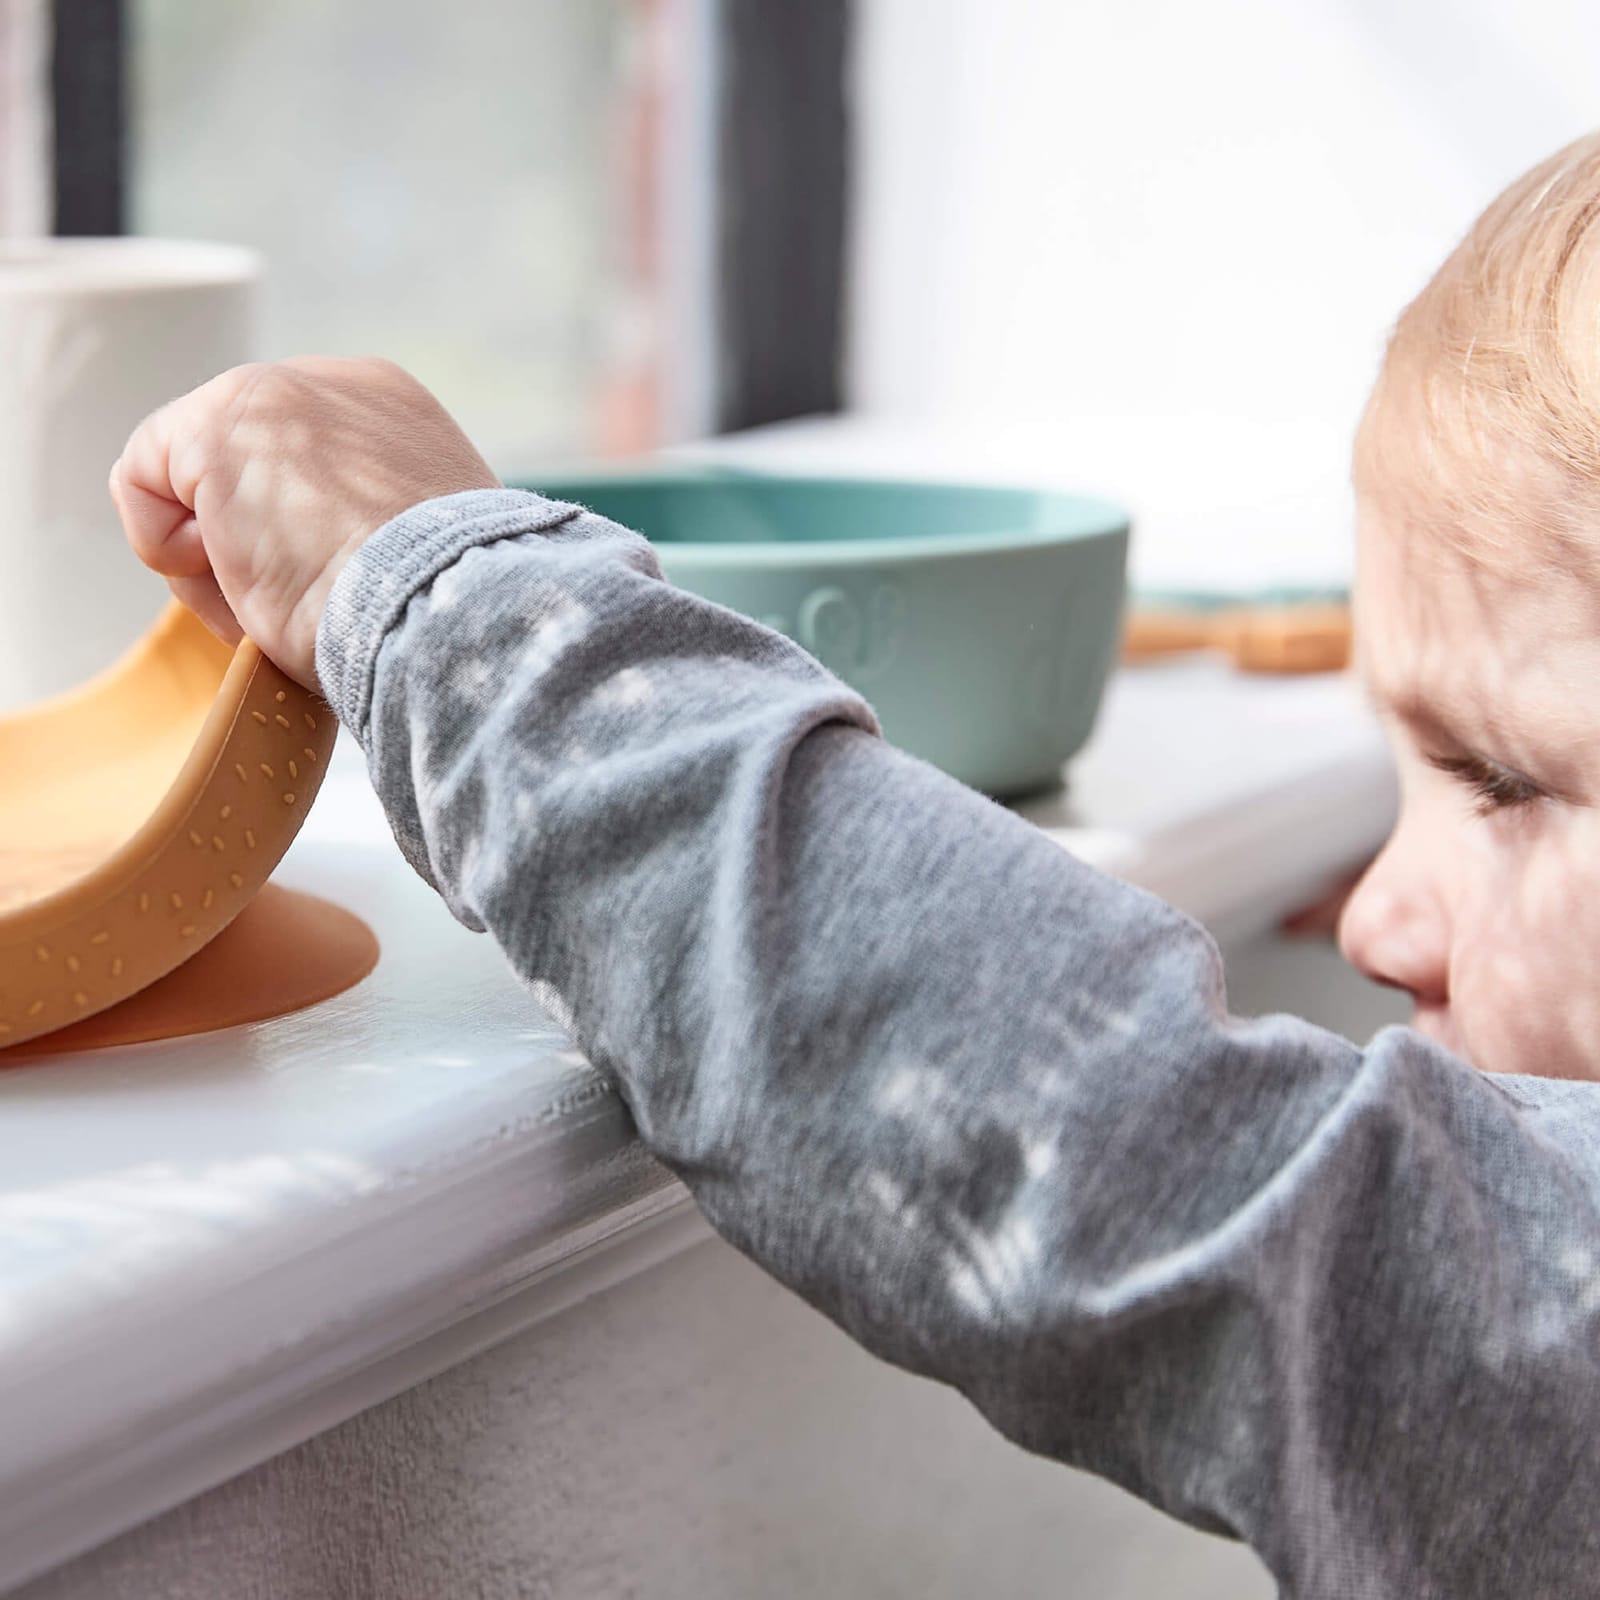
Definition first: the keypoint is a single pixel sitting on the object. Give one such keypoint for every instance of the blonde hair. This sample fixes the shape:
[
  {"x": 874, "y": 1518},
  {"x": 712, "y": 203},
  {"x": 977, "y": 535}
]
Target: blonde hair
[{"x": 1486, "y": 414}]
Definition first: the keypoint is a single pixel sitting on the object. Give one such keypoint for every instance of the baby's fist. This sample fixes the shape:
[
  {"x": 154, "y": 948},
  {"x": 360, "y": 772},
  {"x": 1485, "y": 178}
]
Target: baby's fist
[{"x": 250, "y": 494}]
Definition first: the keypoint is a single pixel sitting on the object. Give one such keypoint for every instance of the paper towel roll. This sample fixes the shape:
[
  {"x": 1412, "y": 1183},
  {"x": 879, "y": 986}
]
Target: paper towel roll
[{"x": 94, "y": 335}]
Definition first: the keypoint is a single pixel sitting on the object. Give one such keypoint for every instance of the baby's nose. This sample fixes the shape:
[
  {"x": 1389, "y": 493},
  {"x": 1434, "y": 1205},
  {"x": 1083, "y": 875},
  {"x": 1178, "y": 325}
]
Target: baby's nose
[{"x": 1395, "y": 931}]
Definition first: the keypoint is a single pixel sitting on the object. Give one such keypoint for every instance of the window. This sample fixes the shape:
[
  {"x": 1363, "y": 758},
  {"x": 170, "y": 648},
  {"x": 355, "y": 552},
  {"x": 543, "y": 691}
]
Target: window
[
  {"x": 591, "y": 227},
  {"x": 469, "y": 189}
]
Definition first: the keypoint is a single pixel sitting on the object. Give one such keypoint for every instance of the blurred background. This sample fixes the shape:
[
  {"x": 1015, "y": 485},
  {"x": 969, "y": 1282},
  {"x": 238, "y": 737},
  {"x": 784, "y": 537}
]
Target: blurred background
[{"x": 1151, "y": 248}]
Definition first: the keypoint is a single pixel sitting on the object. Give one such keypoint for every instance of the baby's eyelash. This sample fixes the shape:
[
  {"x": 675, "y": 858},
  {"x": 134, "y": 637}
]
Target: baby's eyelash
[{"x": 1497, "y": 788}]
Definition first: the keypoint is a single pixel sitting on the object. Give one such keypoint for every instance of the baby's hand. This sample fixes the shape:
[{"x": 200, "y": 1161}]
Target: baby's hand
[{"x": 250, "y": 494}]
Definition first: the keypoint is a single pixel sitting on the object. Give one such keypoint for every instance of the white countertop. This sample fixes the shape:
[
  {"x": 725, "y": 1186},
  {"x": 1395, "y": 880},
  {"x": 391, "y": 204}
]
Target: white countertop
[{"x": 212, "y": 1249}]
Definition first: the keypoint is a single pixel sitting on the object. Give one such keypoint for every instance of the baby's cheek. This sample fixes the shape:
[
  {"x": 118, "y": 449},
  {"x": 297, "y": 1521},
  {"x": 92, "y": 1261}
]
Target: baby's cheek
[{"x": 1525, "y": 978}]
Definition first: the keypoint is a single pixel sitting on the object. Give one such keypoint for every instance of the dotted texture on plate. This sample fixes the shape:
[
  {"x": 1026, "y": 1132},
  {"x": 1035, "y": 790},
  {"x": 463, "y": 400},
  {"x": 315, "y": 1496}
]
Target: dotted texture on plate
[{"x": 155, "y": 915}]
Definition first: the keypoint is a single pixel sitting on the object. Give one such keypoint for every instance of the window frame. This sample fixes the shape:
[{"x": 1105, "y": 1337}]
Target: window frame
[{"x": 88, "y": 95}]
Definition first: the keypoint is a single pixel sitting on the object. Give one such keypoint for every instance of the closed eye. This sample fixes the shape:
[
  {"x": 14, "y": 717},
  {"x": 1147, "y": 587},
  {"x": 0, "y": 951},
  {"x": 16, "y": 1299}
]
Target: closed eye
[{"x": 1497, "y": 788}]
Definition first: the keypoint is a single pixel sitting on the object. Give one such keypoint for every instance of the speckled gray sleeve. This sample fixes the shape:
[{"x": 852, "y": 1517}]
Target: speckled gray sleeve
[{"x": 980, "y": 1104}]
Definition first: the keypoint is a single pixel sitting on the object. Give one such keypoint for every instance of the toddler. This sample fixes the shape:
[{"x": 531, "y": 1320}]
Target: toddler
[{"x": 978, "y": 1103}]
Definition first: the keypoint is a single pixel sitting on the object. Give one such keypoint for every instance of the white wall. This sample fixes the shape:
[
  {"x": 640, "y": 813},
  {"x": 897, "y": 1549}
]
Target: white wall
[{"x": 1160, "y": 243}]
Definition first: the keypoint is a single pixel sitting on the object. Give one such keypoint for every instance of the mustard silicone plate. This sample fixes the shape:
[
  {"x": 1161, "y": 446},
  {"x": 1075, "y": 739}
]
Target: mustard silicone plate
[{"x": 140, "y": 813}]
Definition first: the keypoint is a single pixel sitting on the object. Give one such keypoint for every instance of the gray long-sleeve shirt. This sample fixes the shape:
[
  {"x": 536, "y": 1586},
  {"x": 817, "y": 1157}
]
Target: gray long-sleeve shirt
[{"x": 980, "y": 1104}]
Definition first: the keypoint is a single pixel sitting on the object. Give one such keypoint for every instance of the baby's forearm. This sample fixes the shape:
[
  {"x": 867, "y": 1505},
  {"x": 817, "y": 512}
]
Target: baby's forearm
[{"x": 978, "y": 1103}]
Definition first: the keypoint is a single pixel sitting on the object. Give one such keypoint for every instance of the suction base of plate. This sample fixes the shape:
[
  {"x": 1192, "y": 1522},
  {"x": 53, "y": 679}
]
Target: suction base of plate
[{"x": 285, "y": 951}]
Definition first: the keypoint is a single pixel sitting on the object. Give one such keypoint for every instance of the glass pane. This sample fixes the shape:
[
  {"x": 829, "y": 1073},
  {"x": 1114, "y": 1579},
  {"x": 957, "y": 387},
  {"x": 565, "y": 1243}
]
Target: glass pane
[{"x": 463, "y": 188}]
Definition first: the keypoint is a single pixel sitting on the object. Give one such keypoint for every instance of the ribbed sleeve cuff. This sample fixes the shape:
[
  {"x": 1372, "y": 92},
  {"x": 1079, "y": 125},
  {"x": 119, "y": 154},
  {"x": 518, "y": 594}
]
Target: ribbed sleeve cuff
[{"x": 404, "y": 556}]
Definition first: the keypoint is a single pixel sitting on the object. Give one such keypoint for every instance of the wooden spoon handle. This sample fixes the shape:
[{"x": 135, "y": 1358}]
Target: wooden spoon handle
[{"x": 1290, "y": 638}]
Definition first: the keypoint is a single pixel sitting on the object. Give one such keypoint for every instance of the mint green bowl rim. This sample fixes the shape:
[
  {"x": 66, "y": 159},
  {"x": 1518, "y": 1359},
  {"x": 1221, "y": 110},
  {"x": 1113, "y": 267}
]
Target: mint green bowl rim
[{"x": 1089, "y": 516}]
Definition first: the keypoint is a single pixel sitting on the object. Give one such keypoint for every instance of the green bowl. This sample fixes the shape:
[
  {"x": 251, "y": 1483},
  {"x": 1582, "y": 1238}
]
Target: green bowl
[{"x": 979, "y": 622}]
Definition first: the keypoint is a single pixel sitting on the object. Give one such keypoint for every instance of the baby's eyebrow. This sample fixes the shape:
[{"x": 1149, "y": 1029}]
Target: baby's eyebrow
[
  {"x": 1465, "y": 729},
  {"x": 1479, "y": 730},
  {"x": 1420, "y": 712}
]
